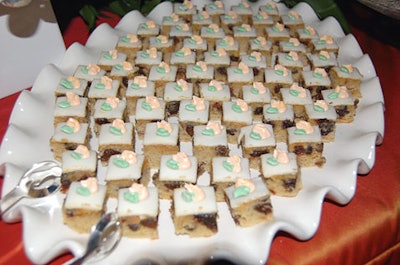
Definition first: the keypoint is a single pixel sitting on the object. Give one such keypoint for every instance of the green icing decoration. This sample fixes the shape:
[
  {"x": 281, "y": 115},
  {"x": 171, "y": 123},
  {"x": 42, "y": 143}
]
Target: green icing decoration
[
  {"x": 179, "y": 27},
  {"x": 144, "y": 55},
  {"x": 238, "y": 70},
  {"x": 289, "y": 44},
  {"x": 197, "y": 68},
  {"x": 66, "y": 84},
  {"x": 254, "y": 91},
  {"x": 214, "y": 54},
  {"x": 84, "y": 191},
  {"x": 208, "y": 132},
  {"x": 119, "y": 67},
  {"x": 228, "y": 166},
  {"x": 279, "y": 72},
  {"x": 125, "y": 39},
  {"x": 291, "y": 17},
  {"x": 241, "y": 191},
  {"x": 172, "y": 164},
  {"x": 255, "y": 136},
  {"x": 241, "y": 29},
  {"x": 146, "y": 106},
  {"x": 192, "y": 41},
  {"x": 300, "y": 132},
  {"x": 294, "y": 92},
  {"x": 132, "y": 196},
  {"x": 259, "y": 17},
  {"x": 120, "y": 162},
  {"x": 162, "y": 132},
  {"x": 252, "y": 58},
  {"x": 144, "y": 26},
  {"x": 317, "y": 75},
  {"x": 322, "y": 57},
  {"x": 161, "y": 70},
  {"x": 213, "y": 6},
  {"x": 183, "y": 7},
  {"x": 223, "y": 43},
  {"x": 333, "y": 95},
  {"x": 272, "y": 110},
  {"x": 76, "y": 155},
  {"x": 212, "y": 88},
  {"x": 306, "y": 31},
  {"x": 187, "y": 196},
  {"x": 210, "y": 30},
  {"x": 344, "y": 69},
  {"x": 227, "y": 17},
  {"x": 100, "y": 86},
  {"x": 106, "y": 107},
  {"x": 64, "y": 104},
  {"x": 289, "y": 57},
  {"x": 190, "y": 107},
  {"x": 318, "y": 108},
  {"x": 179, "y": 53},
  {"x": 269, "y": 7},
  {"x": 84, "y": 69},
  {"x": 107, "y": 56},
  {"x": 115, "y": 130},
  {"x": 275, "y": 29},
  {"x": 236, "y": 108},
  {"x": 321, "y": 42},
  {"x": 178, "y": 88},
  {"x": 272, "y": 161},
  {"x": 135, "y": 86},
  {"x": 169, "y": 19},
  {"x": 257, "y": 41},
  {"x": 67, "y": 129}
]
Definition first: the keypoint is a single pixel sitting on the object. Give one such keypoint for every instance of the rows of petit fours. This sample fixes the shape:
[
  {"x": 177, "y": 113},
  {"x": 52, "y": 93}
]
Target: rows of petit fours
[{"x": 281, "y": 77}]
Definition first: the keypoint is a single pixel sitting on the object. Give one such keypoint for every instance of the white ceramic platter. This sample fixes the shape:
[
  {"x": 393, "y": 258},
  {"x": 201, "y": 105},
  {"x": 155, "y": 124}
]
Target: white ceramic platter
[{"x": 44, "y": 235}]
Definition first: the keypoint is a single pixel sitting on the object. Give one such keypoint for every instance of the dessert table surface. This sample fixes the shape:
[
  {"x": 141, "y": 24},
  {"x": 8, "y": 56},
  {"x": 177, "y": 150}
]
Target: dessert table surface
[{"x": 365, "y": 231}]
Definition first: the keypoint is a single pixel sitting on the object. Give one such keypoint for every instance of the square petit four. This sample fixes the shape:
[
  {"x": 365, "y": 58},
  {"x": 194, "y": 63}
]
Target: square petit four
[
  {"x": 256, "y": 140},
  {"x": 194, "y": 211},
  {"x": 209, "y": 140},
  {"x": 89, "y": 72},
  {"x": 192, "y": 112},
  {"x": 229, "y": 20},
  {"x": 325, "y": 43},
  {"x": 138, "y": 210},
  {"x": 145, "y": 59},
  {"x": 123, "y": 71},
  {"x": 185, "y": 10},
  {"x": 280, "y": 116},
  {"x": 84, "y": 205},
  {"x": 262, "y": 45},
  {"x": 211, "y": 34},
  {"x": 235, "y": 115},
  {"x": 231, "y": 46},
  {"x": 69, "y": 135},
  {"x": 146, "y": 30},
  {"x": 179, "y": 33},
  {"x": 225, "y": 171},
  {"x": 306, "y": 35},
  {"x": 71, "y": 106},
  {"x": 277, "y": 32},
  {"x": 169, "y": 21},
  {"x": 183, "y": 57},
  {"x": 197, "y": 44},
  {"x": 108, "y": 59},
  {"x": 163, "y": 43},
  {"x": 293, "y": 21},
  {"x": 324, "y": 116},
  {"x": 348, "y": 76},
  {"x": 323, "y": 59},
  {"x": 125, "y": 169},
  {"x": 271, "y": 9},
  {"x": 281, "y": 172},
  {"x": 305, "y": 141},
  {"x": 199, "y": 20},
  {"x": 215, "y": 10},
  {"x": 293, "y": 62},
  {"x": 129, "y": 44},
  {"x": 77, "y": 165},
  {"x": 244, "y": 10},
  {"x": 258, "y": 62},
  {"x": 343, "y": 102},
  {"x": 200, "y": 72},
  {"x": 160, "y": 138},
  {"x": 71, "y": 84},
  {"x": 249, "y": 202},
  {"x": 114, "y": 138},
  {"x": 148, "y": 109},
  {"x": 260, "y": 21},
  {"x": 175, "y": 171},
  {"x": 220, "y": 60}
]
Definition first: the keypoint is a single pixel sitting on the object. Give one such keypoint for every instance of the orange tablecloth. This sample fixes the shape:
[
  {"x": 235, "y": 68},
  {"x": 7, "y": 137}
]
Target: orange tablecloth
[{"x": 367, "y": 230}]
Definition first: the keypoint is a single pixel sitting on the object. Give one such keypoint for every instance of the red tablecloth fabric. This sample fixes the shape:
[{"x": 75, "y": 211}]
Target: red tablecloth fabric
[{"x": 366, "y": 231}]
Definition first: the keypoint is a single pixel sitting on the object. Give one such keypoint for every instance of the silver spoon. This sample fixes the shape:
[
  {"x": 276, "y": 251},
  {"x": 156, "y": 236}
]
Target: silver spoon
[
  {"x": 41, "y": 180},
  {"x": 103, "y": 239}
]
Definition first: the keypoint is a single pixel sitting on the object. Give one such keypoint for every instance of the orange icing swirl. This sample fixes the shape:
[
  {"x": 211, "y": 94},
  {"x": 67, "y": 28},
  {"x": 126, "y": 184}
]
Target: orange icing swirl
[
  {"x": 91, "y": 184},
  {"x": 71, "y": 122},
  {"x": 83, "y": 151},
  {"x": 129, "y": 156},
  {"x": 182, "y": 159},
  {"x": 73, "y": 99},
  {"x": 141, "y": 190}
]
